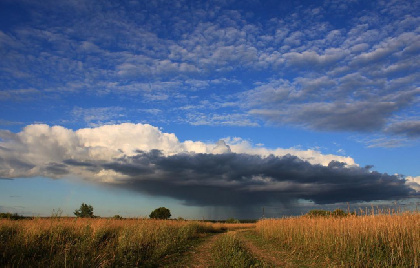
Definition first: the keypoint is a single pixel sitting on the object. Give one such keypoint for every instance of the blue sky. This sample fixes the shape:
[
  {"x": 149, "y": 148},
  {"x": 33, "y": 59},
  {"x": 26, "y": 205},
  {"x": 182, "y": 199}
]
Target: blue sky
[{"x": 132, "y": 105}]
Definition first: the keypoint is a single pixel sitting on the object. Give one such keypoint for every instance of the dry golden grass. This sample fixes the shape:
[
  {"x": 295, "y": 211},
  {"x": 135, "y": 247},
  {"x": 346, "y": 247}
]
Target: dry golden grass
[
  {"x": 67, "y": 242},
  {"x": 354, "y": 241},
  {"x": 233, "y": 226}
]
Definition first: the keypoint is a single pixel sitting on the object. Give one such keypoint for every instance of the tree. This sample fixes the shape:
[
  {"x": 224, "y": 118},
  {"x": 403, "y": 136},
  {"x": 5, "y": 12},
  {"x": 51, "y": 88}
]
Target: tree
[
  {"x": 339, "y": 213},
  {"x": 232, "y": 220},
  {"x": 85, "y": 211},
  {"x": 11, "y": 216},
  {"x": 318, "y": 213},
  {"x": 327, "y": 213},
  {"x": 160, "y": 213}
]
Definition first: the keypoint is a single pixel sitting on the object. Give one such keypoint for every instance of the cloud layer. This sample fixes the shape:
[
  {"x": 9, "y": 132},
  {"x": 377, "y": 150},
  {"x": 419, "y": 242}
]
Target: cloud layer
[
  {"x": 142, "y": 158},
  {"x": 238, "y": 63},
  {"x": 245, "y": 180}
]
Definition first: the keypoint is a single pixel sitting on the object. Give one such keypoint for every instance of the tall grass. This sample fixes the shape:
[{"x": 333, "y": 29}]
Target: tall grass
[
  {"x": 354, "y": 241},
  {"x": 92, "y": 242},
  {"x": 232, "y": 226}
]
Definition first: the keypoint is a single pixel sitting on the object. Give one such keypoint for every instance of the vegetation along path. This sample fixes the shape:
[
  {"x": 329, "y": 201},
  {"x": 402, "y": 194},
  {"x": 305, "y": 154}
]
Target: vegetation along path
[
  {"x": 241, "y": 248},
  {"x": 204, "y": 252},
  {"x": 261, "y": 250},
  {"x": 384, "y": 240},
  {"x": 197, "y": 254}
]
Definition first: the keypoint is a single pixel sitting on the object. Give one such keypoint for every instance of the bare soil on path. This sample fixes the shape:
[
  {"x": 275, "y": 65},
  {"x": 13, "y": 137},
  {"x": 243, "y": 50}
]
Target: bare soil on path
[{"x": 202, "y": 255}]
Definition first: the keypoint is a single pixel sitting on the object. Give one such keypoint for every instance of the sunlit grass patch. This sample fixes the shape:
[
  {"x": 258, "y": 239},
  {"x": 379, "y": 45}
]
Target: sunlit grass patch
[
  {"x": 93, "y": 242},
  {"x": 356, "y": 241},
  {"x": 229, "y": 251}
]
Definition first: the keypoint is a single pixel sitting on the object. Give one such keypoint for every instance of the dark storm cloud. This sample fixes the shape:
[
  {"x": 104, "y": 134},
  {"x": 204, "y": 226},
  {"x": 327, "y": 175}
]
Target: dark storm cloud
[
  {"x": 56, "y": 169},
  {"x": 76, "y": 163},
  {"x": 246, "y": 180},
  {"x": 5, "y": 149},
  {"x": 9, "y": 166},
  {"x": 409, "y": 128}
]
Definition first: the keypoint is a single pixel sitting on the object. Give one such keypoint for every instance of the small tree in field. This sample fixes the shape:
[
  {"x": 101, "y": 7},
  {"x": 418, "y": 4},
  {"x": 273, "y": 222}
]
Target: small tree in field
[
  {"x": 85, "y": 211},
  {"x": 232, "y": 220},
  {"x": 160, "y": 213}
]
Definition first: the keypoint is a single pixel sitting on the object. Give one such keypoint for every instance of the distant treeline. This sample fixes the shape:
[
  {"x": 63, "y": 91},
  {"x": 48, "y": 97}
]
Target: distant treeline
[
  {"x": 13, "y": 216},
  {"x": 327, "y": 213},
  {"x": 232, "y": 220}
]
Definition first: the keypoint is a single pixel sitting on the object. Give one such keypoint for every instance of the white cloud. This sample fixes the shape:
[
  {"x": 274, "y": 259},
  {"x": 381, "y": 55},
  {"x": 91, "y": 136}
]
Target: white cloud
[
  {"x": 212, "y": 119},
  {"x": 42, "y": 150},
  {"x": 381, "y": 141},
  {"x": 238, "y": 145},
  {"x": 7, "y": 40},
  {"x": 387, "y": 47},
  {"x": 369, "y": 75},
  {"x": 414, "y": 182},
  {"x": 313, "y": 59},
  {"x": 165, "y": 54},
  {"x": 221, "y": 148},
  {"x": 127, "y": 138},
  {"x": 19, "y": 94},
  {"x": 98, "y": 115}
]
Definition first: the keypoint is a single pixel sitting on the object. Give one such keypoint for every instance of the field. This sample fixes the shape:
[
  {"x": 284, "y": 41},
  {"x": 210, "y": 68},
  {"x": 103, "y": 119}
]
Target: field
[{"x": 353, "y": 241}]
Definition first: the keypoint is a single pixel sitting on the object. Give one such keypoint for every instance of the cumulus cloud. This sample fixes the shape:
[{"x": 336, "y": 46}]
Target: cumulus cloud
[
  {"x": 413, "y": 182},
  {"x": 221, "y": 148},
  {"x": 230, "y": 172}
]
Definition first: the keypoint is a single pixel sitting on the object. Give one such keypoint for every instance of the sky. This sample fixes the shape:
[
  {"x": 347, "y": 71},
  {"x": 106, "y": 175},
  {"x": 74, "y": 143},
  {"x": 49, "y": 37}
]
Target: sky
[{"x": 213, "y": 109}]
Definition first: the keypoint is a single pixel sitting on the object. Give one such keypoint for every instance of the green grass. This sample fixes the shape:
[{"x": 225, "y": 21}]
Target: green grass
[
  {"x": 278, "y": 251},
  {"x": 181, "y": 257},
  {"x": 229, "y": 251}
]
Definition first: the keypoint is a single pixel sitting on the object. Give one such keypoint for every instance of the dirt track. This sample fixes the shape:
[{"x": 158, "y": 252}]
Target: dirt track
[{"x": 200, "y": 255}]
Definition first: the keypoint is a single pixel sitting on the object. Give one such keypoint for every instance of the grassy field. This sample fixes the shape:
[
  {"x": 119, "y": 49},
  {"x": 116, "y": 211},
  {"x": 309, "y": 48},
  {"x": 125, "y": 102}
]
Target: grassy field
[
  {"x": 354, "y": 241},
  {"x": 93, "y": 242}
]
